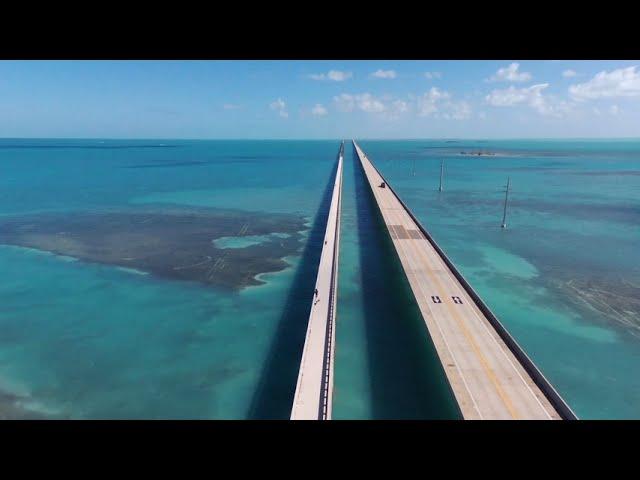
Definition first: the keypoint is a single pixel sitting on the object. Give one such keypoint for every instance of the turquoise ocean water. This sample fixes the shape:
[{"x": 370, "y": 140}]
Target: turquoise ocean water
[{"x": 87, "y": 340}]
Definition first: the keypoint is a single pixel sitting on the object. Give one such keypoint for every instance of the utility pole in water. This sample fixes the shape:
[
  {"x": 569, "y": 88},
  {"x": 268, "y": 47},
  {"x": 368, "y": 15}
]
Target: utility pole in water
[
  {"x": 441, "y": 174},
  {"x": 506, "y": 199}
]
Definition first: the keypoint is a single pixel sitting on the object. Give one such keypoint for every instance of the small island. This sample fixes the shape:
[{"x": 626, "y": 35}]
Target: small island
[{"x": 478, "y": 153}]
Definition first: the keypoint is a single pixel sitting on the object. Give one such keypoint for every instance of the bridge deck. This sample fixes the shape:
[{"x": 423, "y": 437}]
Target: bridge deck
[
  {"x": 487, "y": 379},
  {"x": 314, "y": 390}
]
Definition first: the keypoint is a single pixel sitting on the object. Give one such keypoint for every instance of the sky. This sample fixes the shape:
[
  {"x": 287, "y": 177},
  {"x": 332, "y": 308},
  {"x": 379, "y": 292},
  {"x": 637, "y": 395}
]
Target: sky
[{"x": 319, "y": 99}]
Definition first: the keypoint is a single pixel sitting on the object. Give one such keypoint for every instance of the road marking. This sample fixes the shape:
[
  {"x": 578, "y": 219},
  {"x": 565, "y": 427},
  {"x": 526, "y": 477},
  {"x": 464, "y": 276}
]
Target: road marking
[
  {"x": 437, "y": 265},
  {"x": 425, "y": 255},
  {"x": 431, "y": 314}
]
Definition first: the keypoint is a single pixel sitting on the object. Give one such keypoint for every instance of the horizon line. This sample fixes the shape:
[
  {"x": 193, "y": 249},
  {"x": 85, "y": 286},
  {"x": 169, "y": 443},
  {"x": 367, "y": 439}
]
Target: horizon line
[{"x": 320, "y": 139}]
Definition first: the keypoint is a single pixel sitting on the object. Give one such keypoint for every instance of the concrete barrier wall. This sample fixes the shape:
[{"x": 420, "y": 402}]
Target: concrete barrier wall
[{"x": 545, "y": 386}]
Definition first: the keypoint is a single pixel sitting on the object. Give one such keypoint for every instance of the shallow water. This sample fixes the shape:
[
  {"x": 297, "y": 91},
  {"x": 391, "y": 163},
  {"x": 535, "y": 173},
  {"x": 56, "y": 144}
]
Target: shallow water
[
  {"x": 564, "y": 276},
  {"x": 386, "y": 366},
  {"x": 85, "y": 340},
  {"x": 186, "y": 244},
  {"x": 80, "y": 339}
]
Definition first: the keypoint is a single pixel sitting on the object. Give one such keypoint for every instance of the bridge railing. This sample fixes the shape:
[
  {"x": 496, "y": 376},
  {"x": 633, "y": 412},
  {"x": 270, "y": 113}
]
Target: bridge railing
[{"x": 534, "y": 372}]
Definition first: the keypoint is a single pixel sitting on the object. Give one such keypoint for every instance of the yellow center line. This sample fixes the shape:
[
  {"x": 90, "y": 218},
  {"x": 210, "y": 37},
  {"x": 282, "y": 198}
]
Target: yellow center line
[
  {"x": 462, "y": 293},
  {"x": 483, "y": 361},
  {"x": 369, "y": 171},
  {"x": 402, "y": 253}
]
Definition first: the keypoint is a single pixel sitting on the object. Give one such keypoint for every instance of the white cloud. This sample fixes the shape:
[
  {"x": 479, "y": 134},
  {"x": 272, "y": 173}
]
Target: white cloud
[
  {"x": 400, "y": 106},
  {"x": 338, "y": 76},
  {"x": 435, "y": 102},
  {"x": 333, "y": 75},
  {"x": 395, "y": 109},
  {"x": 319, "y": 110},
  {"x": 510, "y": 74},
  {"x": 623, "y": 82},
  {"x": 432, "y": 75},
  {"x": 458, "y": 111},
  {"x": 514, "y": 96},
  {"x": 439, "y": 103},
  {"x": 531, "y": 96},
  {"x": 384, "y": 107},
  {"x": 363, "y": 101},
  {"x": 345, "y": 102},
  {"x": 569, "y": 73},
  {"x": 230, "y": 106},
  {"x": 428, "y": 103},
  {"x": 280, "y": 107},
  {"x": 614, "y": 110},
  {"x": 368, "y": 103},
  {"x": 278, "y": 104},
  {"x": 384, "y": 74}
]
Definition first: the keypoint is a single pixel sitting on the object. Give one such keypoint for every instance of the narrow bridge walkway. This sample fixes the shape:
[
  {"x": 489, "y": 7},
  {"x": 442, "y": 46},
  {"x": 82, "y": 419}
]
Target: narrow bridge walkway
[{"x": 314, "y": 390}]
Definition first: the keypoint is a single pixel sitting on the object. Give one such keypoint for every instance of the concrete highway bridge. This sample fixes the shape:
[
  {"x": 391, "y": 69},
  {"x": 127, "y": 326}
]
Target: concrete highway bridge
[{"x": 490, "y": 375}]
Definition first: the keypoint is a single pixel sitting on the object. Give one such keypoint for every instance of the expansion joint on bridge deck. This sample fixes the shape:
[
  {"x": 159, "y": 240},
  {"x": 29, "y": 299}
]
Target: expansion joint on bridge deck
[{"x": 490, "y": 375}]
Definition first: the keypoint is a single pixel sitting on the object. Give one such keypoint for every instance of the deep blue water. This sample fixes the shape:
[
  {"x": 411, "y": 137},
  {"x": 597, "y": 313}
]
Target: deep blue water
[{"x": 86, "y": 340}]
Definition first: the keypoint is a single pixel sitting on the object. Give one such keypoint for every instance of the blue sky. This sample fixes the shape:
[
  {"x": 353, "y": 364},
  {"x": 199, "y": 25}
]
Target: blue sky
[{"x": 319, "y": 99}]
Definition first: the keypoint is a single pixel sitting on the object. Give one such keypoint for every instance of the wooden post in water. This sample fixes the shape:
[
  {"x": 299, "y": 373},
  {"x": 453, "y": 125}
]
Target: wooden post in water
[
  {"x": 441, "y": 174},
  {"x": 506, "y": 199}
]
